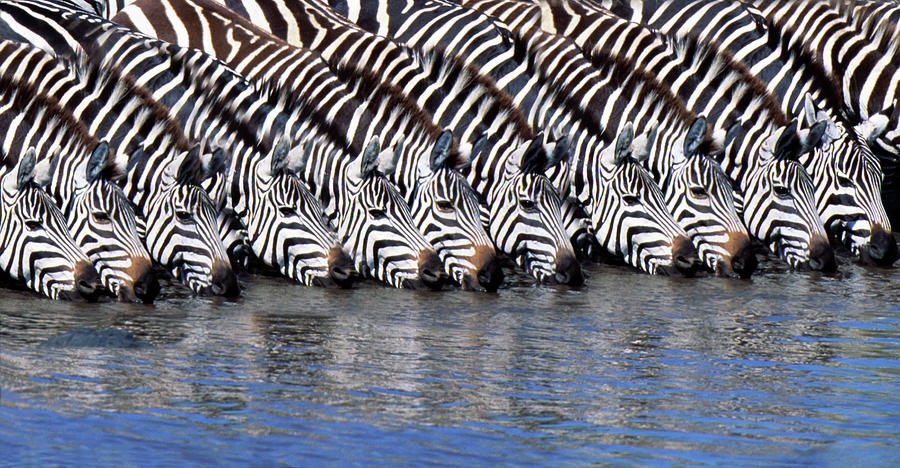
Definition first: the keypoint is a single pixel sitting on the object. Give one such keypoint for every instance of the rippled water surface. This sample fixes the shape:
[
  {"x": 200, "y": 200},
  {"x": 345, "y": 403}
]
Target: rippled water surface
[{"x": 787, "y": 368}]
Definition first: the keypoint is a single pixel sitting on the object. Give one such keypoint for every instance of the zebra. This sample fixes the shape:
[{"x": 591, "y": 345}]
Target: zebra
[
  {"x": 198, "y": 256},
  {"x": 737, "y": 30},
  {"x": 431, "y": 277},
  {"x": 491, "y": 53},
  {"x": 877, "y": 20},
  {"x": 299, "y": 231},
  {"x": 98, "y": 215},
  {"x": 398, "y": 68},
  {"x": 407, "y": 166},
  {"x": 35, "y": 245}
]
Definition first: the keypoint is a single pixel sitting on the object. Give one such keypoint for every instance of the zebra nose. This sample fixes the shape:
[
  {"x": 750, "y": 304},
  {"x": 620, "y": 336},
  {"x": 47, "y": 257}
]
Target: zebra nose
[
  {"x": 821, "y": 255},
  {"x": 586, "y": 246},
  {"x": 744, "y": 261},
  {"x": 224, "y": 282},
  {"x": 431, "y": 270},
  {"x": 239, "y": 256},
  {"x": 684, "y": 256},
  {"x": 490, "y": 275},
  {"x": 882, "y": 248},
  {"x": 146, "y": 287},
  {"x": 340, "y": 268},
  {"x": 87, "y": 281},
  {"x": 568, "y": 270}
]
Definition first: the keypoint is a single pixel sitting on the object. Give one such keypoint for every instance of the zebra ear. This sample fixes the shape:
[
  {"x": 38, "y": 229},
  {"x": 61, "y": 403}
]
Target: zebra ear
[
  {"x": 465, "y": 160},
  {"x": 441, "y": 152},
  {"x": 387, "y": 161},
  {"x": 298, "y": 156},
  {"x": 43, "y": 170},
  {"x": 217, "y": 164},
  {"x": 560, "y": 153},
  {"x": 812, "y": 138},
  {"x": 694, "y": 137},
  {"x": 643, "y": 143},
  {"x": 190, "y": 167},
  {"x": 97, "y": 162},
  {"x": 810, "y": 113},
  {"x": 534, "y": 160},
  {"x": 134, "y": 158},
  {"x": 361, "y": 166},
  {"x": 279, "y": 157},
  {"x": 787, "y": 139},
  {"x": 613, "y": 155},
  {"x": 872, "y": 128},
  {"x": 25, "y": 175}
]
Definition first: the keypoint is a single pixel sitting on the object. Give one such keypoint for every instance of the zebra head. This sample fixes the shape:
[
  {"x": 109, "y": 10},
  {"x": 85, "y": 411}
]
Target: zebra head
[
  {"x": 286, "y": 225},
  {"x": 629, "y": 215},
  {"x": 36, "y": 245},
  {"x": 777, "y": 203},
  {"x": 701, "y": 199},
  {"x": 375, "y": 225},
  {"x": 847, "y": 180},
  {"x": 445, "y": 208},
  {"x": 102, "y": 222},
  {"x": 180, "y": 222},
  {"x": 525, "y": 220},
  {"x": 847, "y": 177}
]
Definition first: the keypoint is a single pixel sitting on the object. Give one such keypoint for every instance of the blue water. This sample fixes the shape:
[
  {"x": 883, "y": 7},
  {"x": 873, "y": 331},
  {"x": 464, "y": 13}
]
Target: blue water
[{"x": 786, "y": 369}]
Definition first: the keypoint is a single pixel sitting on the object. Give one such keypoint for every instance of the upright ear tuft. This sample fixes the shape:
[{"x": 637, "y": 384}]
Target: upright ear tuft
[
  {"x": 218, "y": 163},
  {"x": 534, "y": 160},
  {"x": 135, "y": 157},
  {"x": 560, "y": 153},
  {"x": 642, "y": 144},
  {"x": 812, "y": 138},
  {"x": 279, "y": 157},
  {"x": 25, "y": 175},
  {"x": 872, "y": 128},
  {"x": 43, "y": 170},
  {"x": 441, "y": 152},
  {"x": 623, "y": 143},
  {"x": 367, "y": 162},
  {"x": 786, "y": 140},
  {"x": 190, "y": 168},
  {"x": 810, "y": 112},
  {"x": 695, "y": 136},
  {"x": 299, "y": 156},
  {"x": 97, "y": 162}
]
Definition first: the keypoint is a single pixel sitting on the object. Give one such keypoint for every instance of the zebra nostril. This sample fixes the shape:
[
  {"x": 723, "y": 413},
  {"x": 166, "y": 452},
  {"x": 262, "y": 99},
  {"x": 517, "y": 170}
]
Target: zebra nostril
[
  {"x": 744, "y": 262},
  {"x": 431, "y": 271},
  {"x": 882, "y": 248},
  {"x": 224, "y": 282},
  {"x": 568, "y": 271},
  {"x": 146, "y": 288},
  {"x": 685, "y": 257},
  {"x": 490, "y": 276}
]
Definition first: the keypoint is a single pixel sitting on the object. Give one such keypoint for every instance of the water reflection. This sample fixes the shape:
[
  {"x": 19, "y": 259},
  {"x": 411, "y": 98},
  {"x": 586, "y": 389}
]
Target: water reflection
[{"x": 645, "y": 367}]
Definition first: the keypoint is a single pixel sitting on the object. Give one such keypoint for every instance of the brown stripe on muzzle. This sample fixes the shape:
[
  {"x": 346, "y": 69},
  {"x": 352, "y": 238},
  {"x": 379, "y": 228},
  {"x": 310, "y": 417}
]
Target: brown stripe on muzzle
[
  {"x": 486, "y": 273},
  {"x": 87, "y": 282},
  {"x": 684, "y": 257},
  {"x": 341, "y": 271},
  {"x": 144, "y": 286},
  {"x": 741, "y": 260},
  {"x": 431, "y": 269}
]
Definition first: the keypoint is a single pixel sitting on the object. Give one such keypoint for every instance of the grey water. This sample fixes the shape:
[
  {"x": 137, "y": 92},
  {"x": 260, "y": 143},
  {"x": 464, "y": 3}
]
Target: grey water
[{"x": 788, "y": 368}]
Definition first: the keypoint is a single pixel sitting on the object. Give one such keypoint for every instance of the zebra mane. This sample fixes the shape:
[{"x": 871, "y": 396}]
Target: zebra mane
[
  {"x": 284, "y": 98},
  {"x": 635, "y": 79},
  {"x": 441, "y": 62},
  {"x": 828, "y": 83},
  {"x": 371, "y": 84},
  {"x": 44, "y": 110},
  {"x": 591, "y": 119},
  {"x": 723, "y": 60},
  {"x": 124, "y": 87}
]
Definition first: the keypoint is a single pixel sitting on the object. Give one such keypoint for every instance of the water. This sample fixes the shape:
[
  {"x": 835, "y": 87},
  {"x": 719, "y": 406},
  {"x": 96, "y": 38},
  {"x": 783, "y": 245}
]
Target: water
[{"x": 789, "y": 368}]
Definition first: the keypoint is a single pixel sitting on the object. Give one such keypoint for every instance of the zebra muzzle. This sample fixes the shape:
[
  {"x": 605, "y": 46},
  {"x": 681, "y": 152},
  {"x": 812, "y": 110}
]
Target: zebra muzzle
[
  {"x": 431, "y": 270},
  {"x": 821, "y": 255},
  {"x": 87, "y": 282},
  {"x": 341, "y": 270},
  {"x": 881, "y": 249}
]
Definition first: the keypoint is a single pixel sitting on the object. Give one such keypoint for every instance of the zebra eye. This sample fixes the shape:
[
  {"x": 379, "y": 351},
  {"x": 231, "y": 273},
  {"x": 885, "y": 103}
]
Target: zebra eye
[
  {"x": 376, "y": 213},
  {"x": 444, "y": 205},
  {"x": 698, "y": 192},
  {"x": 184, "y": 216},
  {"x": 287, "y": 211},
  {"x": 100, "y": 217},
  {"x": 630, "y": 199},
  {"x": 782, "y": 192},
  {"x": 527, "y": 205},
  {"x": 32, "y": 224}
]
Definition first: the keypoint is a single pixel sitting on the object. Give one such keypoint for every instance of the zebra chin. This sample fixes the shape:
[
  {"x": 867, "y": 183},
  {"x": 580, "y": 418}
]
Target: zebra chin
[
  {"x": 86, "y": 287},
  {"x": 341, "y": 272},
  {"x": 485, "y": 273},
  {"x": 737, "y": 261},
  {"x": 431, "y": 273},
  {"x": 684, "y": 262},
  {"x": 819, "y": 256},
  {"x": 221, "y": 282},
  {"x": 881, "y": 250},
  {"x": 142, "y": 285}
]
